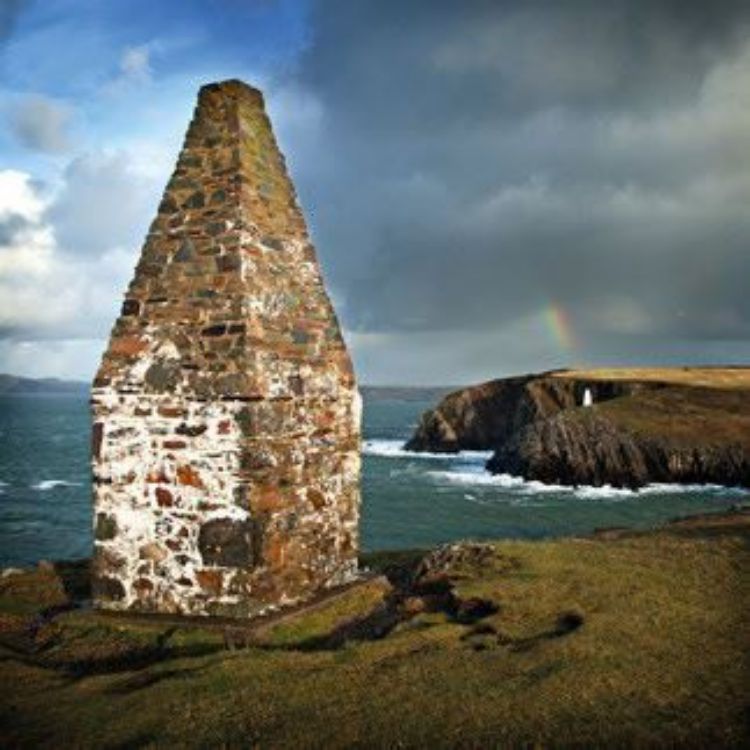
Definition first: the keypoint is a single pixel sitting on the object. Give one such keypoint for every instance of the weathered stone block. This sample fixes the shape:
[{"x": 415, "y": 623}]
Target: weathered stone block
[
  {"x": 227, "y": 543},
  {"x": 107, "y": 589},
  {"x": 106, "y": 527}
]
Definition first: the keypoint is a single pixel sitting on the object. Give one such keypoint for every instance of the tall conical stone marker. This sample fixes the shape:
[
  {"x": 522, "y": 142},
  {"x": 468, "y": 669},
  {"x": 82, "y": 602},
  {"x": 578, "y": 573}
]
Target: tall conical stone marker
[{"x": 226, "y": 414}]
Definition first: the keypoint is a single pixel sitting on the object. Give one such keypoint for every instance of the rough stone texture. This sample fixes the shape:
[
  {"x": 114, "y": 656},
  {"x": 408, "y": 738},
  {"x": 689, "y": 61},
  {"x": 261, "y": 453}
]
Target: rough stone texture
[
  {"x": 576, "y": 448},
  {"x": 226, "y": 414}
]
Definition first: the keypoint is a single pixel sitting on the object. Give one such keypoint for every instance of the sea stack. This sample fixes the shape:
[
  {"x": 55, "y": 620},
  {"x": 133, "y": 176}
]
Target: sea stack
[{"x": 226, "y": 416}]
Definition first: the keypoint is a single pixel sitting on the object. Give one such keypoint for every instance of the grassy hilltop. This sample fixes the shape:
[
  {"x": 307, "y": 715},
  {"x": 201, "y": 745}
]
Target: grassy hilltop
[
  {"x": 726, "y": 378},
  {"x": 696, "y": 406},
  {"x": 620, "y": 639}
]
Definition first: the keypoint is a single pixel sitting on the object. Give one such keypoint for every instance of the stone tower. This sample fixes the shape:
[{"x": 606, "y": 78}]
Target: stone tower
[{"x": 226, "y": 413}]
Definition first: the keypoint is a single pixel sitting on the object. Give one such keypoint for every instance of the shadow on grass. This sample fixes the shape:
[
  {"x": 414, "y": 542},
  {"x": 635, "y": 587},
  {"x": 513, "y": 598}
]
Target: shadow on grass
[
  {"x": 139, "y": 740},
  {"x": 131, "y": 659},
  {"x": 414, "y": 591},
  {"x": 483, "y": 635},
  {"x": 77, "y": 655},
  {"x": 75, "y": 577},
  {"x": 146, "y": 679}
]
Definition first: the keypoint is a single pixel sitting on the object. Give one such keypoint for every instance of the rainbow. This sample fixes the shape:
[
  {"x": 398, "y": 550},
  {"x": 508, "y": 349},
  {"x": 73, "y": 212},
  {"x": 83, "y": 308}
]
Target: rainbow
[{"x": 561, "y": 327}]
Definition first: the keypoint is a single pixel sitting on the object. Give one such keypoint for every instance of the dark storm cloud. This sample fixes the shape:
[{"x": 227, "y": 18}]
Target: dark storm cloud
[
  {"x": 10, "y": 227},
  {"x": 478, "y": 161},
  {"x": 469, "y": 62}
]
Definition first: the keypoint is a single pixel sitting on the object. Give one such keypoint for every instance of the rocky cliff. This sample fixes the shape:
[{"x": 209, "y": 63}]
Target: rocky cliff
[
  {"x": 484, "y": 416},
  {"x": 652, "y": 429}
]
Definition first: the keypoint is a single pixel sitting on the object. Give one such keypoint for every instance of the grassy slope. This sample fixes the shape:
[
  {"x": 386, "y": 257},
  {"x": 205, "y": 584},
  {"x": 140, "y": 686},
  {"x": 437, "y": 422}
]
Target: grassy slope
[
  {"x": 702, "y": 377},
  {"x": 686, "y": 416},
  {"x": 658, "y": 659},
  {"x": 699, "y": 407}
]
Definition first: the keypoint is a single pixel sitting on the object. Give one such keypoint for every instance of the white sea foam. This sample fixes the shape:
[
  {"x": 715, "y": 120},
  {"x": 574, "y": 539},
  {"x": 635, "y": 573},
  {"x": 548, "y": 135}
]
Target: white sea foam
[
  {"x": 658, "y": 488},
  {"x": 51, "y": 484},
  {"x": 518, "y": 485},
  {"x": 395, "y": 449},
  {"x": 467, "y": 469},
  {"x": 478, "y": 476}
]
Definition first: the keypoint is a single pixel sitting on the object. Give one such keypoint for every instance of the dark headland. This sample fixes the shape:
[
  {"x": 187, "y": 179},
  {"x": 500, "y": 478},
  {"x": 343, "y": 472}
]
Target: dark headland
[
  {"x": 686, "y": 425},
  {"x": 15, "y": 385}
]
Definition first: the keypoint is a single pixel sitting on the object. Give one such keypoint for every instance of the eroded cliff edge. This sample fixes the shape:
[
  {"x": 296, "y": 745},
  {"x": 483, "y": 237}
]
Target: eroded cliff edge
[{"x": 688, "y": 425}]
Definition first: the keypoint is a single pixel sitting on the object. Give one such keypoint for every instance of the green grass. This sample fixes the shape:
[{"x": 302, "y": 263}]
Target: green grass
[
  {"x": 685, "y": 416},
  {"x": 323, "y": 620},
  {"x": 730, "y": 378},
  {"x": 698, "y": 406},
  {"x": 659, "y": 660}
]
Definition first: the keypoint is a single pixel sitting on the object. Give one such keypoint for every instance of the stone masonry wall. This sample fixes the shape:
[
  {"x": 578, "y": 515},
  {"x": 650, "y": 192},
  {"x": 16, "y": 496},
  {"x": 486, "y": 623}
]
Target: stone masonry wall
[{"x": 226, "y": 414}]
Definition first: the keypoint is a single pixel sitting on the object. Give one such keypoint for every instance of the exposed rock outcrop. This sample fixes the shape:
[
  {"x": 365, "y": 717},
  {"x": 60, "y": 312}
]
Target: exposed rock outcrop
[
  {"x": 636, "y": 432},
  {"x": 566, "y": 449},
  {"x": 484, "y": 416}
]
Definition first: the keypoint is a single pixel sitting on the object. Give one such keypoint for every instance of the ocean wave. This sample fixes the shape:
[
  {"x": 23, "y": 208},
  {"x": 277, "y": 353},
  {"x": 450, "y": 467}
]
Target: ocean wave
[
  {"x": 472, "y": 477},
  {"x": 481, "y": 477},
  {"x": 467, "y": 469},
  {"x": 395, "y": 449},
  {"x": 51, "y": 484}
]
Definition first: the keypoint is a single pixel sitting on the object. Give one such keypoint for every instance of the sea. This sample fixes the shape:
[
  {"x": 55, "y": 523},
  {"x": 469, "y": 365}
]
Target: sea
[{"x": 408, "y": 500}]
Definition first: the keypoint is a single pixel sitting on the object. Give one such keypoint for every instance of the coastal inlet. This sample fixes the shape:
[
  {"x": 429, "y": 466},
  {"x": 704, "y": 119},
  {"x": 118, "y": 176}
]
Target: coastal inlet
[{"x": 408, "y": 500}]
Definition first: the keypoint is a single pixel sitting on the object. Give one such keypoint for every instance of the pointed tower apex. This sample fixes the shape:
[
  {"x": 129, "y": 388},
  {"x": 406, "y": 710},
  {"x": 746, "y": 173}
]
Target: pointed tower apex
[
  {"x": 226, "y": 415},
  {"x": 232, "y": 86}
]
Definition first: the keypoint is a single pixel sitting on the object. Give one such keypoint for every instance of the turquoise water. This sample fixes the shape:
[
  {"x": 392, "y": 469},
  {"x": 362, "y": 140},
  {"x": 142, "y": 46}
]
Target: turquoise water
[{"x": 408, "y": 500}]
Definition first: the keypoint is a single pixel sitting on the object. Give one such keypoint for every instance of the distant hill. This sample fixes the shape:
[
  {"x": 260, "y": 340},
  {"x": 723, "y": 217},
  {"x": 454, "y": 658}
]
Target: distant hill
[
  {"x": 14, "y": 385},
  {"x": 405, "y": 392}
]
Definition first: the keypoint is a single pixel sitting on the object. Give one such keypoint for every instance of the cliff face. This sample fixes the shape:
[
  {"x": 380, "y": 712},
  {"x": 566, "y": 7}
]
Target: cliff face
[
  {"x": 475, "y": 418},
  {"x": 636, "y": 432},
  {"x": 568, "y": 450}
]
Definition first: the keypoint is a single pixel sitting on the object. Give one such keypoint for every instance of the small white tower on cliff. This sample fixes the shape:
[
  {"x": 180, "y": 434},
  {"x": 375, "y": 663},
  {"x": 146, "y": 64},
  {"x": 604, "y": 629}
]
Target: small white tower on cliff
[{"x": 588, "y": 399}]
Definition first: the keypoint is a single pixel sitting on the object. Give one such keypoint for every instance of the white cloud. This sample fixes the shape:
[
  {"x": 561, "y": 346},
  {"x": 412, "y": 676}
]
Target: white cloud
[
  {"x": 28, "y": 263},
  {"x": 133, "y": 70},
  {"x": 17, "y": 196},
  {"x": 27, "y": 244},
  {"x": 48, "y": 292},
  {"x": 135, "y": 63}
]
